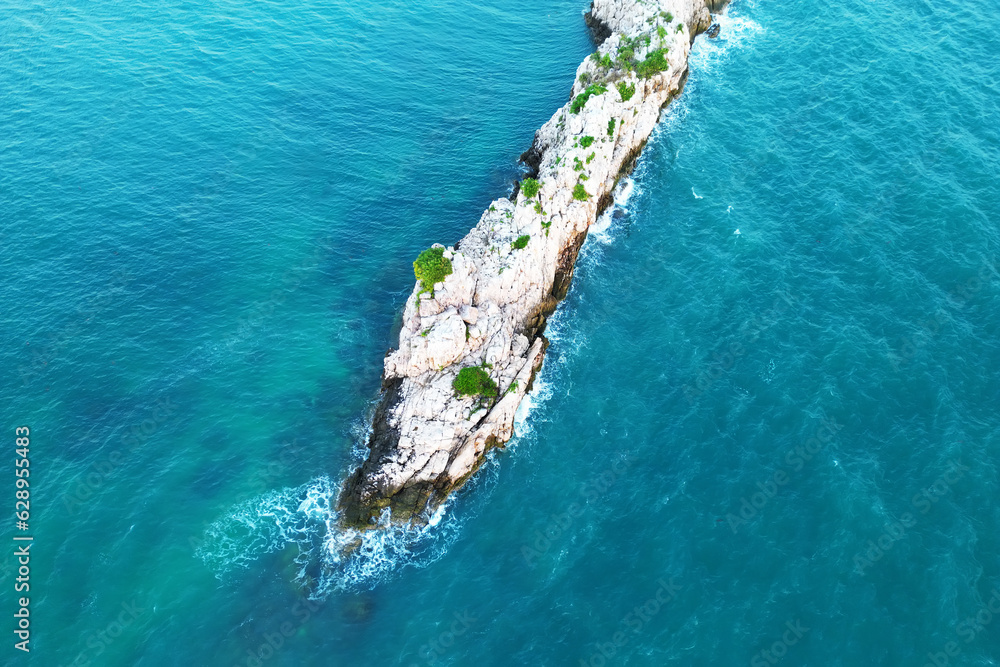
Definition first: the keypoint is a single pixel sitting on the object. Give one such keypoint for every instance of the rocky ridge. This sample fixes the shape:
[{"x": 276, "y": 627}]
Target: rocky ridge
[{"x": 510, "y": 271}]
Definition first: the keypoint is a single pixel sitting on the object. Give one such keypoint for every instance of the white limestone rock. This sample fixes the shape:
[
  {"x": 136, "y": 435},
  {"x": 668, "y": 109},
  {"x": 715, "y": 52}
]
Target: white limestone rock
[{"x": 427, "y": 440}]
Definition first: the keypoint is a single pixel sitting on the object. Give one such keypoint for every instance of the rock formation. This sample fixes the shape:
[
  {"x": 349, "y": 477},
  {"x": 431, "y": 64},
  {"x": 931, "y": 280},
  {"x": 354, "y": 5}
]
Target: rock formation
[{"x": 507, "y": 275}]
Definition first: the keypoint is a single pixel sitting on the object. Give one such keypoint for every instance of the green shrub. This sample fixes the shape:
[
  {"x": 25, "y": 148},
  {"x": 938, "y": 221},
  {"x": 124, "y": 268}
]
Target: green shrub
[
  {"x": 581, "y": 100},
  {"x": 680, "y": 27},
  {"x": 667, "y": 16},
  {"x": 538, "y": 208},
  {"x": 611, "y": 127},
  {"x": 586, "y": 141},
  {"x": 661, "y": 31},
  {"x": 605, "y": 61},
  {"x": 521, "y": 242},
  {"x": 626, "y": 55},
  {"x": 584, "y": 78},
  {"x": 530, "y": 187},
  {"x": 655, "y": 62},
  {"x": 626, "y": 91},
  {"x": 474, "y": 381},
  {"x": 513, "y": 387},
  {"x": 431, "y": 267},
  {"x": 577, "y": 164},
  {"x": 579, "y": 193}
]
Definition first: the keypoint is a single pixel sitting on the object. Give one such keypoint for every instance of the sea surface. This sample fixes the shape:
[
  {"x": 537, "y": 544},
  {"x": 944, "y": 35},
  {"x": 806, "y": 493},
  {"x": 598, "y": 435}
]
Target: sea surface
[{"x": 767, "y": 429}]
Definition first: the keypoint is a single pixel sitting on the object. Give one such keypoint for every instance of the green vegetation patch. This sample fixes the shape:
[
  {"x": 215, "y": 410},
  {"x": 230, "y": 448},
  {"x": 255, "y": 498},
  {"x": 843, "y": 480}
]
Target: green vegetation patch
[
  {"x": 474, "y": 381},
  {"x": 604, "y": 61},
  {"x": 611, "y": 127},
  {"x": 654, "y": 63},
  {"x": 626, "y": 57},
  {"x": 530, "y": 187},
  {"x": 431, "y": 267},
  {"x": 580, "y": 100},
  {"x": 626, "y": 91},
  {"x": 521, "y": 242},
  {"x": 586, "y": 141},
  {"x": 580, "y": 193}
]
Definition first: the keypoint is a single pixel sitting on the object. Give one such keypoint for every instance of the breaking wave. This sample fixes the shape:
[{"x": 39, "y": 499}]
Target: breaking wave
[{"x": 329, "y": 558}]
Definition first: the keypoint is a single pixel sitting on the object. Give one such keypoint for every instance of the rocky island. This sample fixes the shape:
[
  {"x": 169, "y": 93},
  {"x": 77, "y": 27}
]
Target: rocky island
[{"x": 472, "y": 332}]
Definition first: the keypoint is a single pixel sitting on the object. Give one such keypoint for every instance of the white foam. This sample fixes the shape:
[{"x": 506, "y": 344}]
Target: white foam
[
  {"x": 735, "y": 32},
  {"x": 361, "y": 432},
  {"x": 329, "y": 558},
  {"x": 624, "y": 191},
  {"x": 437, "y": 516},
  {"x": 602, "y": 229},
  {"x": 265, "y": 524},
  {"x": 541, "y": 391}
]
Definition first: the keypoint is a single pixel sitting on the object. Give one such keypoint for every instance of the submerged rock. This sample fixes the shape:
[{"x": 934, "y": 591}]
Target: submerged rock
[{"x": 509, "y": 272}]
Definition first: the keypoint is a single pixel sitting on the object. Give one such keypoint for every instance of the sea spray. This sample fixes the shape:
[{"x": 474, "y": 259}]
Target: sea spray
[{"x": 328, "y": 558}]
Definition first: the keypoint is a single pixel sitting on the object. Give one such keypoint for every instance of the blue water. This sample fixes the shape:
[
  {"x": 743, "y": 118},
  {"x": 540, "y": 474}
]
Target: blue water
[{"x": 781, "y": 440}]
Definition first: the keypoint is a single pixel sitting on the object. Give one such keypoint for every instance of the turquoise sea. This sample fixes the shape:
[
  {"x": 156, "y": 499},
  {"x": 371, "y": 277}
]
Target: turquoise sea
[{"x": 777, "y": 446}]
